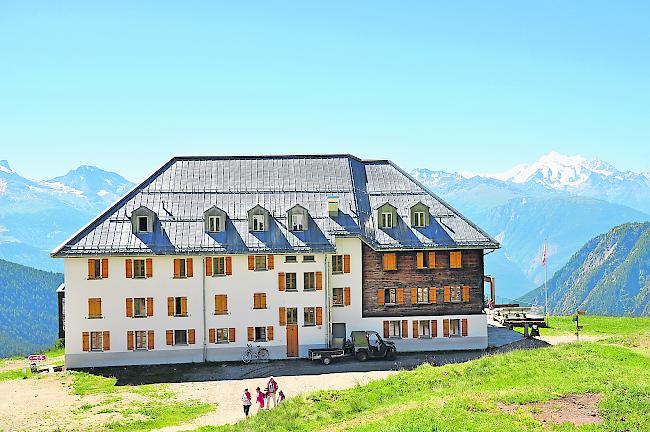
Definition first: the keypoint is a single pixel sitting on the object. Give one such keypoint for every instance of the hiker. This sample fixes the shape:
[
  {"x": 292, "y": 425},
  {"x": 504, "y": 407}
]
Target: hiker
[
  {"x": 260, "y": 399},
  {"x": 280, "y": 397},
  {"x": 271, "y": 388},
  {"x": 246, "y": 401}
]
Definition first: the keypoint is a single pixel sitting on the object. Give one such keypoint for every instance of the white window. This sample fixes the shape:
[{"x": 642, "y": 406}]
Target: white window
[
  {"x": 214, "y": 224},
  {"x": 425, "y": 329},
  {"x": 418, "y": 219},
  {"x": 387, "y": 220},
  {"x": 454, "y": 327},
  {"x": 180, "y": 337},
  {"x": 390, "y": 296},
  {"x": 455, "y": 294},
  {"x": 96, "y": 341},
  {"x": 141, "y": 340},
  {"x": 143, "y": 223},
  {"x": 423, "y": 295},
  {"x": 310, "y": 316},
  {"x": 258, "y": 223},
  {"x": 337, "y": 296},
  {"x": 260, "y": 334},
  {"x": 297, "y": 222},
  {"x": 139, "y": 307},
  {"x": 394, "y": 329}
]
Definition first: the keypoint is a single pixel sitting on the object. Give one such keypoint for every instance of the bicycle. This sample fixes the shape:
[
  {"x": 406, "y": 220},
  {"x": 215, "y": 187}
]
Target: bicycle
[{"x": 254, "y": 353}]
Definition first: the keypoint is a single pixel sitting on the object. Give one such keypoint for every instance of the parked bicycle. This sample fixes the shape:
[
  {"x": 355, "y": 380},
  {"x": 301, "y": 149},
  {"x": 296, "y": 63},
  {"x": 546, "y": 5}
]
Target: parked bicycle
[{"x": 254, "y": 353}]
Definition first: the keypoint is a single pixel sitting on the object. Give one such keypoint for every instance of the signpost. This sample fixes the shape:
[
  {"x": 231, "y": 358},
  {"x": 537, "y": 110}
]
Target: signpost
[
  {"x": 576, "y": 319},
  {"x": 32, "y": 359}
]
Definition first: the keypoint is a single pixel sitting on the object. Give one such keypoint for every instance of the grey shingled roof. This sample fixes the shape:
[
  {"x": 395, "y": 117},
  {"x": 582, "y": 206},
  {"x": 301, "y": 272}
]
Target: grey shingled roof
[{"x": 182, "y": 189}]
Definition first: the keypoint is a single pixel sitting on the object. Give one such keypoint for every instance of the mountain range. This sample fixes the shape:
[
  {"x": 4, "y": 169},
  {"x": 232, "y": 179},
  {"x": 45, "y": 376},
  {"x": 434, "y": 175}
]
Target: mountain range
[{"x": 607, "y": 276}]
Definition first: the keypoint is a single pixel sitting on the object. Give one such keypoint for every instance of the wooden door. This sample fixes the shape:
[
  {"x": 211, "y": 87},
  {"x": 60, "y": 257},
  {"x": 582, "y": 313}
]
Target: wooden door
[{"x": 292, "y": 340}]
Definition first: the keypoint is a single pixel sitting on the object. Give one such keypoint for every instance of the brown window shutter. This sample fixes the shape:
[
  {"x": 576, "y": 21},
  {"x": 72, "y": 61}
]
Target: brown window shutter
[
  {"x": 183, "y": 306},
  {"x": 208, "y": 266},
  {"x": 104, "y": 268},
  {"x": 400, "y": 295},
  {"x": 228, "y": 265},
  {"x": 346, "y": 263},
  {"x": 169, "y": 336},
  {"x": 445, "y": 327},
  {"x": 256, "y": 301},
  {"x": 432, "y": 295},
  {"x": 405, "y": 328},
  {"x": 386, "y": 333},
  {"x": 380, "y": 296},
  {"x": 319, "y": 315},
  {"x": 420, "y": 260},
  {"x": 212, "y": 335},
  {"x": 434, "y": 328},
  {"x": 129, "y": 268},
  {"x": 189, "y": 269},
  {"x": 130, "y": 340},
  {"x": 346, "y": 296},
  {"x": 191, "y": 337},
  {"x": 415, "y": 328},
  {"x": 85, "y": 341},
  {"x": 251, "y": 334},
  {"x": 91, "y": 269},
  {"x": 281, "y": 281},
  {"x": 170, "y": 306},
  {"x": 283, "y": 316},
  {"x": 107, "y": 341},
  {"x": 455, "y": 259},
  {"x": 217, "y": 306},
  {"x": 432, "y": 260},
  {"x": 319, "y": 280},
  {"x": 263, "y": 300},
  {"x": 387, "y": 261},
  {"x": 466, "y": 293},
  {"x": 150, "y": 340},
  {"x": 414, "y": 296},
  {"x": 149, "y": 306},
  {"x": 464, "y": 326},
  {"x": 270, "y": 262},
  {"x": 177, "y": 268},
  {"x": 149, "y": 267},
  {"x": 251, "y": 262},
  {"x": 447, "y": 294},
  {"x": 231, "y": 334},
  {"x": 129, "y": 307},
  {"x": 269, "y": 333}
]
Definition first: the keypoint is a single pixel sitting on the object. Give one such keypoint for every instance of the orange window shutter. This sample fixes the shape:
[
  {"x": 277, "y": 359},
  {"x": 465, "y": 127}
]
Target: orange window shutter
[
  {"x": 445, "y": 328},
  {"x": 208, "y": 266},
  {"x": 129, "y": 307},
  {"x": 107, "y": 341},
  {"x": 455, "y": 259},
  {"x": 269, "y": 333},
  {"x": 150, "y": 340},
  {"x": 91, "y": 307},
  {"x": 400, "y": 295},
  {"x": 346, "y": 296},
  {"x": 251, "y": 334},
  {"x": 420, "y": 260},
  {"x": 380, "y": 297},
  {"x": 263, "y": 301},
  {"x": 228, "y": 265},
  {"x": 91, "y": 269},
  {"x": 386, "y": 333},
  {"x": 256, "y": 301},
  {"x": 177, "y": 268},
  {"x": 414, "y": 296},
  {"x": 129, "y": 268},
  {"x": 346, "y": 263},
  {"x": 415, "y": 328},
  {"x": 432, "y": 260},
  {"x": 251, "y": 262},
  {"x": 149, "y": 306},
  {"x": 130, "y": 340},
  {"x": 447, "y": 294},
  {"x": 432, "y": 295},
  {"x": 464, "y": 326},
  {"x": 405, "y": 328},
  {"x": 270, "y": 262},
  {"x": 169, "y": 336},
  {"x": 104, "y": 268},
  {"x": 231, "y": 334},
  {"x": 224, "y": 303},
  {"x": 319, "y": 315},
  {"x": 385, "y": 262},
  {"x": 281, "y": 281},
  {"x": 149, "y": 266},
  {"x": 212, "y": 335},
  {"x": 190, "y": 267},
  {"x": 183, "y": 306},
  {"x": 434, "y": 328},
  {"x": 170, "y": 306},
  {"x": 191, "y": 337},
  {"x": 466, "y": 293},
  {"x": 217, "y": 305},
  {"x": 283, "y": 316},
  {"x": 319, "y": 280},
  {"x": 85, "y": 341}
]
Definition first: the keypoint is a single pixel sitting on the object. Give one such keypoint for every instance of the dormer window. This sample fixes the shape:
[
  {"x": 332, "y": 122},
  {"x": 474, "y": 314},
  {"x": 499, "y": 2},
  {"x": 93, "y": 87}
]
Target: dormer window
[
  {"x": 258, "y": 218},
  {"x": 297, "y": 218},
  {"x": 258, "y": 223},
  {"x": 419, "y": 213},
  {"x": 142, "y": 220},
  {"x": 297, "y": 222},
  {"x": 215, "y": 219},
  {"x": 387, "y": 216},
  {"x": 387, "y": 220},
  {"x": 143, "y": 223},
  {"x": 418, "y": 219},
  {"x": 214, "y": 223}
]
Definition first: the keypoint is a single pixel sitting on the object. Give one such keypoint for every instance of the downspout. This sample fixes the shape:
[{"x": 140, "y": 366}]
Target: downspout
[
  {"x": 328, "y": 305},
  {"x": 205, "y": 325}
]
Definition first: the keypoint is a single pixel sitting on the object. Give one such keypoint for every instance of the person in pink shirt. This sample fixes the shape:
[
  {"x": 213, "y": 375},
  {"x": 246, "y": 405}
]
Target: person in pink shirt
[{"x": 260, "y": 399}]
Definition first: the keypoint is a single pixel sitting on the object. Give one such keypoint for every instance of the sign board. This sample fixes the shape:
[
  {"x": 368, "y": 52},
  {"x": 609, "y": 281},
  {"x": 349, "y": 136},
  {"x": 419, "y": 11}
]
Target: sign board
[{"x": 36, "y": 358}]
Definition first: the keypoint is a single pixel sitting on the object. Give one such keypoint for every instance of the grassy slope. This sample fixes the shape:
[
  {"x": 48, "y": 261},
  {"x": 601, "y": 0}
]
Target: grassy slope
[{"x": 596, "y": 326}]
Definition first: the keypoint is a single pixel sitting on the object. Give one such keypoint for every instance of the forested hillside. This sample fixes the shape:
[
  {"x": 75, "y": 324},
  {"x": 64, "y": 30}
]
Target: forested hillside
[
  {"x": 610, "y": 275},
  {"x": 28, "y": 308}
]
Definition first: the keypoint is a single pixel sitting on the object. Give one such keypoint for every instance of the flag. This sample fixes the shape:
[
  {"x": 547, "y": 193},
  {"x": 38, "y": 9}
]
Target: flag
[{"x": 544, "y": 255}]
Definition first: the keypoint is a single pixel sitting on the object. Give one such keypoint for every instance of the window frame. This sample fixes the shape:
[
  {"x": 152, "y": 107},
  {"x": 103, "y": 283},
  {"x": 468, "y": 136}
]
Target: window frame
[
  {"x": 419, "y": 219},
  {"x": 261, "y": 331},
  {"x": 337, "y": 267},
  {"x": 259, "y": 222},
  {"x": 224, "y": 333},
  {"x": 390, "y": 294},
  {"x": 455, "y": 294},
  {"x": 143, "y": 312},
  {"x": 182, "y": 268},
  {"x": 422, "y": 293},
  {"x": 424, "y": 324},
  {"x": 309, "y": 312},
  {"x": 387, "y": 219},
  {"x": 312, "y": 282},
  {"x": 146, "y": 222},
  {"x": 214, "y": 223},
  {"x": 96, "y": 336},
  {"x": 298, "y": 226},
  {"x": 266, "y": 263},
  {"x": 291, "y": 259},
  {"x": 309, "y": 258},
  {"x": 335, "y": 296},
  {"x": 288, "y": 278},
  {"x": 177, "y": 332},
  {"x": 292, "y": 312},
  {"x": 392, "y": 324},
  {"x": 458, "y": 326},
  {"x": 139, "y": 263},
  {"x": 144, "y": 346},
  {"x": 97, "y": 268},
  {"x": 216, "y": 267},
  {"x": 178, "y": 307}
]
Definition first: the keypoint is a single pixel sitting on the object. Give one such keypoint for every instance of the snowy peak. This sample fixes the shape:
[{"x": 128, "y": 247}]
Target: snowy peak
[
  {"x": 94, "y": 183},
  {"x": 4, "y": 167}
]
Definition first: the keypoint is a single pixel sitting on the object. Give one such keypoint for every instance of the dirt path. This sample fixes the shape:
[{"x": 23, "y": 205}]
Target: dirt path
[{"x": 226, "y": 394}]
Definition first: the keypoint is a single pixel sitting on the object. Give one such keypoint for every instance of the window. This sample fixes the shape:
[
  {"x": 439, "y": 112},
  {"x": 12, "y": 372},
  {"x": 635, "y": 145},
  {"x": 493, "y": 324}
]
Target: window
[
  {"x": 418, "y": 219},
  {"x": 180, "y": 337},
  {"x": 260, "y": 334},
  {"x": 337, "y": 296},
  {"x": 180, "y": 270},
  {"x": 290, "y": 282},
  {"x": 218, "y": 266},
  {"x": 259, "y": 301},
  {"x": 454, "y": 327},
  {"x": 143, "y": 223},
  {"x": 423, "y": 295},
  {"x": 291, "y": 259},
  {"x": 258, "y": 223},
  {"x": 455, "y": 292},
  {"x": 297, "y": 222},
  {"x": 139, "y": 307},
  {"x": 222, "y": 335},
  {"x": 308, "y": 258},
  {"x": 94, "y": 308},
  {"x": 292, "y": 315},
  {"x": 214, "y": 224},
  {"x": 387, "y": 220},
  {"x": 394, "y": 328},
  {"x": 141, "y": 340},
  {"x": 337, "y": 264},
  {"x": 390, "y": 296},
  {"x": 180, "y": 306},
  {"x": 424, "y": 329},
  {"x": 310, "y": 316},
  {"x": 260, "y": 262},
  {"x": 96, "y": 341},
  {"x": 138, "y": 268},
  {"x": 310, "y": 281},
  {"x": 221, "y": 304},
  {"x": 94, "y": 269},
  {"x": 390, "y": 261}
]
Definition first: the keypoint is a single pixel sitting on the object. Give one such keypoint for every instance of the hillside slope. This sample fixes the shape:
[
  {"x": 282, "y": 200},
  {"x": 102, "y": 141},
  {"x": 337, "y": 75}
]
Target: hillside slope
[
  {"x": 28, "y": 308},
  {"x": 610, "y": 275}
]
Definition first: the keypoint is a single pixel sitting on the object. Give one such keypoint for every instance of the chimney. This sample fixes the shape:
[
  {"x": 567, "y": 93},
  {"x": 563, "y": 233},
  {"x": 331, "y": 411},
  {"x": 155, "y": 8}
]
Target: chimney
[{"x": 333, "y": 206}]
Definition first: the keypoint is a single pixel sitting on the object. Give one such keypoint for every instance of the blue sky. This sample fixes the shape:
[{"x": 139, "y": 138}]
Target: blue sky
[{"x": 475, "y": 86}]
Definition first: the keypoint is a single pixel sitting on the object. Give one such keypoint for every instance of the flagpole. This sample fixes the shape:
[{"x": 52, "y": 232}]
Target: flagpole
[{"x": 545, "y": 283}]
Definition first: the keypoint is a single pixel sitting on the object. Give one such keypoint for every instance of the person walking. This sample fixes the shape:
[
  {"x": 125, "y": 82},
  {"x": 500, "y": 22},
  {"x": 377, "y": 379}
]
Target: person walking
[
  {"x": 260, "y": 399},
  {"x": 271, "y": 388},
  {"x": 246, "y": 401},
  {"x": 280, "y": 397}
]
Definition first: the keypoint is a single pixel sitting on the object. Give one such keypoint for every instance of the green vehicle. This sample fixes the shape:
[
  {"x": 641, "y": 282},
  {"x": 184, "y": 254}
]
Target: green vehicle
[{"x": 362, "y": 345}]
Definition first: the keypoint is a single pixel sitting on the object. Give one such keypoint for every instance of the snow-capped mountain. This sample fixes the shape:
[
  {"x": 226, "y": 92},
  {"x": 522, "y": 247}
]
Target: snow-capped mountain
[{"x": 97, "y": 185}]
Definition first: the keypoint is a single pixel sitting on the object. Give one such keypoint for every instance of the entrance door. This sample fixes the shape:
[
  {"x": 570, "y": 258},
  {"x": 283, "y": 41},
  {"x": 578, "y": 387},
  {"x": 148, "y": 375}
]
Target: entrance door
[
  {"x": 338, "y": 334},
  {"x": 292, "y": 340}
]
